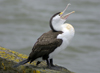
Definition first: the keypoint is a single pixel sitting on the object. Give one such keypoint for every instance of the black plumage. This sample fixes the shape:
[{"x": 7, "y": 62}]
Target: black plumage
[{"x": 46, "y": 44}]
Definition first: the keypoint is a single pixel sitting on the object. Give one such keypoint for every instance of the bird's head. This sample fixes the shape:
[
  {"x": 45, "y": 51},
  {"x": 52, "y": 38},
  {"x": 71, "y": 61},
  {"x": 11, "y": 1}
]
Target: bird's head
[{"x": 58, "y": 19}]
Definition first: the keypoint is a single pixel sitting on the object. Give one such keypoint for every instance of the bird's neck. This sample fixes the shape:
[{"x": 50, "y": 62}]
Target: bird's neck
[{"x": 56, "y": 26}]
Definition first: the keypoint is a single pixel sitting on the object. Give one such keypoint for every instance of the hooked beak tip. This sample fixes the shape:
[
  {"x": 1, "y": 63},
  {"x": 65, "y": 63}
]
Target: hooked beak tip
[
  {"x": 65, "y": 16},
  {"x": 61, "y": 14}
]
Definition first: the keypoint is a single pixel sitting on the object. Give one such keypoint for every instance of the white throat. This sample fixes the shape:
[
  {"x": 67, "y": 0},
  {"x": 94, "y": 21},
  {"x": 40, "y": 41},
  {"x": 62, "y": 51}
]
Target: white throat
[{"x": 56, "y": 23}]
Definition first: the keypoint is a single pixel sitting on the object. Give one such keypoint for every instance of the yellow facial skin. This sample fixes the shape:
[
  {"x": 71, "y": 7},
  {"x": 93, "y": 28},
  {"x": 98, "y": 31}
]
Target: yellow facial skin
[{"x": 60, "y": 13}]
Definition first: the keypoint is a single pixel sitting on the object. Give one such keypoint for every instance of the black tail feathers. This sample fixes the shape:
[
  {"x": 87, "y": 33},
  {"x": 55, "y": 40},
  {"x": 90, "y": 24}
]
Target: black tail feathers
[{"x": 21, "y": 63}]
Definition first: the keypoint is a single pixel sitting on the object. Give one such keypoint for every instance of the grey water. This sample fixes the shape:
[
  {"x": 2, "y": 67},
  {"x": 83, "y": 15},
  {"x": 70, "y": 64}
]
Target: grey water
[{"x": 23, "y": 21}]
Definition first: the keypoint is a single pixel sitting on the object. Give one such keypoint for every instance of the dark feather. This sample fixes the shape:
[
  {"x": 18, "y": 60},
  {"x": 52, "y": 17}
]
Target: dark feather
[{"x": 46, "y": 44}]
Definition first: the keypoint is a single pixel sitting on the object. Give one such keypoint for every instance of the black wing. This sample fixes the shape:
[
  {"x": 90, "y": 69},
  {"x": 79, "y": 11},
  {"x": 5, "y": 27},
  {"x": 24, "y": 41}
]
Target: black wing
[{"x": 47, "y": 43}]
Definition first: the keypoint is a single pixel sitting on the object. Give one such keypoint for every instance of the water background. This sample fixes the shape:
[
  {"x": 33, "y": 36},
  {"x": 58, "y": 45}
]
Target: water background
[{"x": 23, "y": 21}]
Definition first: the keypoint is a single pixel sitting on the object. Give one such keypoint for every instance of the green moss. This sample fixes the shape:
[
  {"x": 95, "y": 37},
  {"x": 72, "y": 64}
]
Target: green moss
[
  {"x": 8, "y": 58},
  {"x": 11, "y": 55},
  {"x": 36, "y": 71}
]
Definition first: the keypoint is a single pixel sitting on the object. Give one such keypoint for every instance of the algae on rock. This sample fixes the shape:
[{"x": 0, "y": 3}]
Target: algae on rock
[{"x": 8, "y": 58}]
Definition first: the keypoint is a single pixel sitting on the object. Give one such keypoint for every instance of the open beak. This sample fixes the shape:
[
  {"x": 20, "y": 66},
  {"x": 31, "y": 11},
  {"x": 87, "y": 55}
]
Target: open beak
[{"x": 66, "y": 15}]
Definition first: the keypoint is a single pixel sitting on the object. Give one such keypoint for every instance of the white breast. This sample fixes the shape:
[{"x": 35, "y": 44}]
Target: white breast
[
  {"x": 60, "y": 48},
  {"x": 66, "y": 36}
]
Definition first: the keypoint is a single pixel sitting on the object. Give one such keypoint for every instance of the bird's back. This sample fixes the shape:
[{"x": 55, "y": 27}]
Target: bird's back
[{"x": 45, "y": 44}]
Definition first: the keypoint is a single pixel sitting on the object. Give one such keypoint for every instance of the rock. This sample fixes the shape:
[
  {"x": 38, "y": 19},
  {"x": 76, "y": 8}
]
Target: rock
[{"x": 9, "y": 58}]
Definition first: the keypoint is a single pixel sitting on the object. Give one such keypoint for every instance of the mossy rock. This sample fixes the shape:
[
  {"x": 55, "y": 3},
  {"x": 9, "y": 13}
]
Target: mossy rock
[{"x": 9, "y": 58}]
